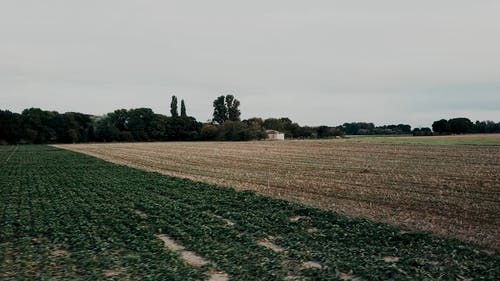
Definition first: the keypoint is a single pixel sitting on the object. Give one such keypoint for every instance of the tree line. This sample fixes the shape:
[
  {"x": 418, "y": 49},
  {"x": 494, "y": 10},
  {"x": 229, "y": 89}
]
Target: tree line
[
  {"x": 363, "y": 128},
  {"x": 39, "y": 126},
  {"x": 465, "y": 126}
]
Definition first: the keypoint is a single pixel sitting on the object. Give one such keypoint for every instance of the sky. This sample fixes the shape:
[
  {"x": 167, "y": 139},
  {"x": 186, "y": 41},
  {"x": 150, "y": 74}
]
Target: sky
[{"x": 316, "y": 62}]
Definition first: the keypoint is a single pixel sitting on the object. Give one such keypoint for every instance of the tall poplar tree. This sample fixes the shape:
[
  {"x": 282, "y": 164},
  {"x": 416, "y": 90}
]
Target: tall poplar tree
[
  {"x": 183, "y": 109},
  {"x": 173, "y": 107}
]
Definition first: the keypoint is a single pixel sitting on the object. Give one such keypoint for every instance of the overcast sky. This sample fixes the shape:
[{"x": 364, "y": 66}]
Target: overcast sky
[{"x": 317, "y": 62}]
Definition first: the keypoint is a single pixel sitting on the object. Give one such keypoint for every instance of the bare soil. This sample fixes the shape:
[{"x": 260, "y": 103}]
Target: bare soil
[
  {"x": 266, "y": 243},
  {"x": 191, "y": 258},
  {"x": 450, "y": 190}
]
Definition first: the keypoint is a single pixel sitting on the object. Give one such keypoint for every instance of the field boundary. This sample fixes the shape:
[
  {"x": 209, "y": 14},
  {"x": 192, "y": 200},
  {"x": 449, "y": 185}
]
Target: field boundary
[{"x": 448, "y": 190}]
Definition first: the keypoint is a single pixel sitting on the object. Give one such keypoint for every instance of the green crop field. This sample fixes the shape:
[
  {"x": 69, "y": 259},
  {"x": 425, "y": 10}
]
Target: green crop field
[{"x": 68, "y": 216}]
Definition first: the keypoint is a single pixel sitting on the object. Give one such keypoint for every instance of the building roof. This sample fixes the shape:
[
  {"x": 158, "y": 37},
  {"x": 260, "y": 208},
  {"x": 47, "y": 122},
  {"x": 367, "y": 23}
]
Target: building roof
[{"x": 273, "y": 132}]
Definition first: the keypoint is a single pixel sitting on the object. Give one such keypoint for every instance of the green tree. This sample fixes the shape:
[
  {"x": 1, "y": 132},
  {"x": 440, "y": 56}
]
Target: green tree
[
  {"x": 274, "y": 124},
  {"x": 422, "y": 131},
  {"x": 158, "y": 127},
  {"x": 209, "y": 132},
  {"x": 233, "y": 112},
  {"x": 181, "y": 129},
  {"x": 37, "y": 124},
  {"x": 183, "y": 109},
  {"x": 66, "y": 128},
  {"x": 105, "y": 129},
  {"x": 83, "y": 127},
  {"x": 10, "y": 127},
  {"x": 358, "y": 128},
  {"x": 226, "y": 108},
  {"x": 441, "y": 126},
  {"x": 119, "y": 119},
  {"x": 173, "y": 107},
  {"x": 255, "y": 122},
  {"x": 284, "y": 125},
  {"x": 72, "y": 136},
  {"x": 460, "y": 125},
  {"x": 220, "y": 110},
  {"x": 138, "y": 123},
  {"x": 426, "y": 131}
]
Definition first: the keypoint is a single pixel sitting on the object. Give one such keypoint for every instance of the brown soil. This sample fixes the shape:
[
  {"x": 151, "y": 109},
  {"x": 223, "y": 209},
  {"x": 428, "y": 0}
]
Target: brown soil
[
  {"x": 113, "y": 272},
  {"x": 59, "y": 253},
  {"x": 141, "y": 214},
  {"x": 170, "y": 243},
  {"x": 449, "y": 190},
  {"x": 312, "y": 230},
  {"x": 266, "y": 243},
  {"x": 296, "y": 218},
  {"x": 349, "y": 277},
  {"x": 217, "y": 276},
  {"x": 191, "y": 258},
  {"x": 311, "y": 265},
  {"x": 391, "y": 259}
]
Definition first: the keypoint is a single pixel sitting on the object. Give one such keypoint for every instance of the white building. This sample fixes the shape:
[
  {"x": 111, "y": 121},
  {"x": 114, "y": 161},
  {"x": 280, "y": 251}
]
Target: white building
[{"x": 275, "y": 135}]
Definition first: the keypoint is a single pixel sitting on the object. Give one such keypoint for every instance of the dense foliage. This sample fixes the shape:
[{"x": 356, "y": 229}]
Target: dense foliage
[
  {"x": 173, "y": 107},
  {"x": 66, "y": 216},
  {"x": 364, "y": 128},
  {"x": 142, "y": 124},
  {"x": 226, "y": 108},
  {"x": 465, "y": 126},
  {"x": 425, "y": 131},
  {"x": 36, "y": 126}
]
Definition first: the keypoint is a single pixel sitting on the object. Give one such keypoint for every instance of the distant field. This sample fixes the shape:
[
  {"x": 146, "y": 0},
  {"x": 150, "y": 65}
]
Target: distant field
[
  {"x": 486, "y": 139},
  {"x": 450, "y": 190},
  {"x": 68, "y": 216}
]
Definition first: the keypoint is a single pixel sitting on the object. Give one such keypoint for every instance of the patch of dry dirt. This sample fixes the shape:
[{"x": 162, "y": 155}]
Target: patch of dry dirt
[
  {"x": 140, "y": 214},
  {"x": 59, "y": 253},
  {"x": 311, "y": 265},
  {"x": 191, "y": 258},
  {"x": 266, "y": 243},
  {"x": 113, "y": 272}
]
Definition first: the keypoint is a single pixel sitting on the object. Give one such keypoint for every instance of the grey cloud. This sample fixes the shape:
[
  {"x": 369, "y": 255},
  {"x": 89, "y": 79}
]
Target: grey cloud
[{"x": 318, "y": 62}]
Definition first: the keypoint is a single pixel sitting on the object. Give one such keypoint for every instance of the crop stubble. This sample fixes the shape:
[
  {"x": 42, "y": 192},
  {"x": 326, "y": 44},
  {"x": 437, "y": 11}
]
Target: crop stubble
[{"x": 451, "y": 190}]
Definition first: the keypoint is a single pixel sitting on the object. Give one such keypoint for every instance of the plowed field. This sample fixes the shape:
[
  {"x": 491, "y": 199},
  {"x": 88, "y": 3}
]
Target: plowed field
[
  {"x": 69, "y": 216},
  {"x": 450, "y": 190}
]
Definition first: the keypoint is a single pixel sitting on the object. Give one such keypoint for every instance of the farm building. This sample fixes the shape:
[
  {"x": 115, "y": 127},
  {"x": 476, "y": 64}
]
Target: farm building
[{"x": 275, "y": 135}]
